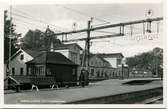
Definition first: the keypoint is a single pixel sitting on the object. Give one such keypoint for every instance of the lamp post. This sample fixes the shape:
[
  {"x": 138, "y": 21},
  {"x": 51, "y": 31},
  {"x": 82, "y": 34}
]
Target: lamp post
[
  {"x": 134, "y": 71},
  {"x": 126, "y": 70},
  {"x": 122, "y": 72}
]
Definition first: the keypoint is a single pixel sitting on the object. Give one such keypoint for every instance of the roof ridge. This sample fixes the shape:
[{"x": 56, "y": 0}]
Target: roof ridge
[{"x": 52, "y": 58}]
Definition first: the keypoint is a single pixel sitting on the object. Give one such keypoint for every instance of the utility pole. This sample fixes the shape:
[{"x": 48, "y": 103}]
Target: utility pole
[
  {"x": 156, "y": 63},
  {"x": 5, "y": 28},
  {"x": 87, "y": 53},
  {"x": 5, "y": 40},
  {"x": 88, "y": 43},
  {"x": 10, "y": 36},
  {"x": 5, "y": 17}
]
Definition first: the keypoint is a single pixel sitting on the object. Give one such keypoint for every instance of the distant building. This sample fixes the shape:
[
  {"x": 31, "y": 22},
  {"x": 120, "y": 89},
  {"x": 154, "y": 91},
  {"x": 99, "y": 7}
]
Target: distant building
[
  {"x": 136, "y": 73},
  {"x": 99, "y": 67},
  {"x": 115, "y": 59},
  {"x": 122, "y": 72},
  {"x": 116, "y": 62},
  {"x": 71, "y": 51}
]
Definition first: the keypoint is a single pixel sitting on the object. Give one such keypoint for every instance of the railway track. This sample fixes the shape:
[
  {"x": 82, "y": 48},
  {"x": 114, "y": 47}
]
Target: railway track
[{"x": 153, "y": 100}]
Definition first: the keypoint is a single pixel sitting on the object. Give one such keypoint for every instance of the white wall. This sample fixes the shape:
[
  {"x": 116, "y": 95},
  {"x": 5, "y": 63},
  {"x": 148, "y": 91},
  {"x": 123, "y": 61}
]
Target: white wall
[
  {"x": 17, "y": 63},
  {"x": 72, "y": 54},
  {"x": 112, "y": 61},
  {"x": 65, "y": 52}
]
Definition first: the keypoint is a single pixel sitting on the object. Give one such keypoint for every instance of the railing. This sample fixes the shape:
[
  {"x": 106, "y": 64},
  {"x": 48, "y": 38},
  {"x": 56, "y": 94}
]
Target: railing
[{"x": 42, "y": 80}]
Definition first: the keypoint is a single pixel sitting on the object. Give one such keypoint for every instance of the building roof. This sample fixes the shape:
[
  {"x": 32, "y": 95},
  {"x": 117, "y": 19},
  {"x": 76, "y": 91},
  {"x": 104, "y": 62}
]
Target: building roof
[
  {"x": 109, "y": 55},
  {"x": 51, "y": 58},
  {"x": 30, "y": 52},
  {"x": 66, "y": 46},
  {"x": 105, "y": 61},
  {"x": 33, "y": 53}
]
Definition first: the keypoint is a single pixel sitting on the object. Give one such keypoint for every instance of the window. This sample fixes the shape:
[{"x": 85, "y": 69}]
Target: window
[
  {"x": 48, "y": 73},
  {"x": 41, "y": 70},
  {"x": 98, "y": 74},
  {"x": 73, "y": 71},
  {"x": 96, "y": 63},
  {"x": 91, "y": 63},
  {"x": 106, "y": 75},
  {"x": 36, "y": 70},
  {"x": 119, "y": 61},
  {"x": 21, "y": 57},
  {"x": 13, "y": 71},
  {"x": 29, "y": 71},
  {"x": 101, "y": 74},
  {"x": 33, "y": 71},
  {"x": 92, "y": 72},
  {"x": 21, "y": 71}
]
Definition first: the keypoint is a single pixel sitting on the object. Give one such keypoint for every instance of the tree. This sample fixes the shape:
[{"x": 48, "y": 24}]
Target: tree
[
  {"x": 9, "y": 34},
  {"x": 149, "y": 61},
  {"x": 36, "y": 39}
]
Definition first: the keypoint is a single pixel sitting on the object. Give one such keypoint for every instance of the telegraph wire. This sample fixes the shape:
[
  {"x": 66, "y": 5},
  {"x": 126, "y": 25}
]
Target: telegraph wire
[
  {"x": 41, "y": 21},
  {"x": 32, "y": 19},
  {"x": 37, "y": 20},
  {"x": 21, "y": 12},
  {"x": 80, "y": 13},
  {"x": 18, "y": 20},
  {"x": 84, "y": 14}
]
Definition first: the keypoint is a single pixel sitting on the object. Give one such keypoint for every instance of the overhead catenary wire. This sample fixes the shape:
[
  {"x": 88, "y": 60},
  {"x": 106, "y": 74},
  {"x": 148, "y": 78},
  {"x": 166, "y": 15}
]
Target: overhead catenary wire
[
  {"x": 128, "y": 26},
  {"x": 83, "y": 14},
  {"x": 22, "y": 12},
  {"x": 105, "y": 32},
  {"x": 113, "y": 25},
  {"x": 111, "y": 33},
  {"x": 42, "y": 21},
  {"x": 25, "y": 22},
  {"x": 100, "y": 24},
  {"x": 79, "y": 12},
  {"x": 32, "y": 24},
  {"x": 34, "y": 20},
  {"x": 38, "y": 20}
]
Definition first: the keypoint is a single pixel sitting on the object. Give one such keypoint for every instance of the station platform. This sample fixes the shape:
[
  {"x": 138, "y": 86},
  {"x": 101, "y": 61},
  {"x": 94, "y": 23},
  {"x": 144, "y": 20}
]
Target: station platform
[{"x": 75, "y": 94}]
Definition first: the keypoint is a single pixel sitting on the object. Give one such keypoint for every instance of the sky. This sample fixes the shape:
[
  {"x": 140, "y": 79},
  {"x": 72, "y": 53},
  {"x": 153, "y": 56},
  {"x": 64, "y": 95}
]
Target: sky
[{"x": 61, "y": 17}]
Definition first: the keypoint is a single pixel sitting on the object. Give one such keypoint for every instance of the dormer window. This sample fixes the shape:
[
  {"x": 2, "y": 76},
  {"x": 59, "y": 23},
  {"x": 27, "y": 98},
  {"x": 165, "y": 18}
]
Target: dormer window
[{"x": 21, "y": 57}]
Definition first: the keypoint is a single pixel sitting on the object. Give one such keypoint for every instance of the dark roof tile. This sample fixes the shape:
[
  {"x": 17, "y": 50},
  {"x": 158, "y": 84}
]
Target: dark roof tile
[
  {"x": 51, "y": 58},
  {"x": 108, "y": 55},
  {"x": 66, "y": 46}
]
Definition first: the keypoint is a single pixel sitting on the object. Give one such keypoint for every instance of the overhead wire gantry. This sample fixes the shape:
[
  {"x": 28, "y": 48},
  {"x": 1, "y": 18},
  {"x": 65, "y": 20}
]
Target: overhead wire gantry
[{"x": 146, "y": 25}]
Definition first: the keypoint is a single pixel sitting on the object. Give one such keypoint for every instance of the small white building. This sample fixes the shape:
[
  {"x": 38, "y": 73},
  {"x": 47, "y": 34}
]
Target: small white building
[{"x": 17, "y": 64}]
